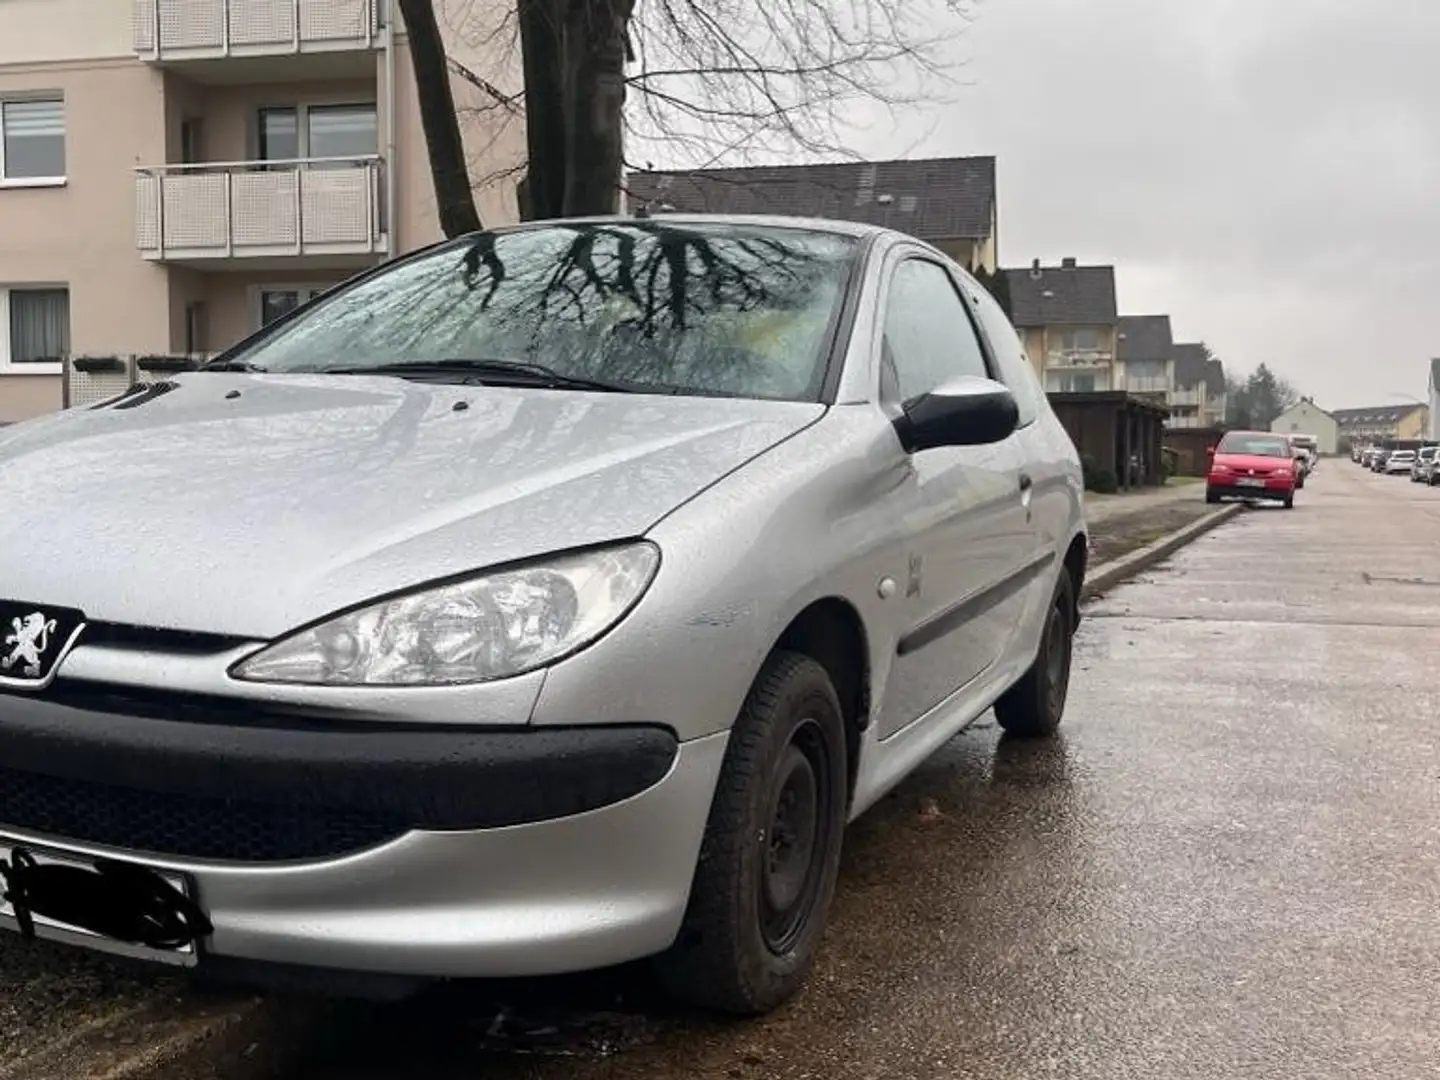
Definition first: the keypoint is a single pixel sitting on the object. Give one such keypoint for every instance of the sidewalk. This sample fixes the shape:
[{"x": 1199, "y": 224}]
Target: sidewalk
[{"x": 1099, "y": 508}]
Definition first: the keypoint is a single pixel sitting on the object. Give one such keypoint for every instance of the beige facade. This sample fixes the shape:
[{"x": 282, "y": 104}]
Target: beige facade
[
  {"x": 1074, "y": 358},
  {"x": 174, "y": 170},
  {"x": 1307, "y": 418}
]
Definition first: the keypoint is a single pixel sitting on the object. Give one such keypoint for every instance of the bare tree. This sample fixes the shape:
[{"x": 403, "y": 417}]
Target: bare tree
[
  {"x": 443, "y": 142},
  {"x": 696, "y": 82}
]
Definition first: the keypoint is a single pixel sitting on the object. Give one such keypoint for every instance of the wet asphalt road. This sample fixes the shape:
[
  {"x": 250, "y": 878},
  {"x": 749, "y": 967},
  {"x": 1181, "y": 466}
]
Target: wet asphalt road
[{"x": 1227, "y": 867}]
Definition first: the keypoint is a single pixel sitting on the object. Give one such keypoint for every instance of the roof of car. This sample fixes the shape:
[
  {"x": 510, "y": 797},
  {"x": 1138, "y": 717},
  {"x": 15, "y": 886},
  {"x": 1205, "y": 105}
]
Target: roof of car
[{"x": 772, "y": 221}]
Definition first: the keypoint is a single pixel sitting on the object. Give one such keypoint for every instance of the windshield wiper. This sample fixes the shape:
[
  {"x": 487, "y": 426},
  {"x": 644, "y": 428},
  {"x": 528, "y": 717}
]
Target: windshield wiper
[
  {"x": 516, "y": 372},
  {"x": 229, "y": 365}
]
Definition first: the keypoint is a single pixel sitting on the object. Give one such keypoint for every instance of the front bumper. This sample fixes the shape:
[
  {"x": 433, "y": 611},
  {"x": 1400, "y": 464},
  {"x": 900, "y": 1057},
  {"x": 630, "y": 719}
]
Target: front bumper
[
  {"x": 1226, "y": 488},
  {"x": 397, "y": 850}
]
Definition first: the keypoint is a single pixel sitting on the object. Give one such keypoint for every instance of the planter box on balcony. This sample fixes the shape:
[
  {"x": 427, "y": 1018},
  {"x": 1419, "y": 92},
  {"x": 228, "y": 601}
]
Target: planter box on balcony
[{"x": 98, "y": 365}]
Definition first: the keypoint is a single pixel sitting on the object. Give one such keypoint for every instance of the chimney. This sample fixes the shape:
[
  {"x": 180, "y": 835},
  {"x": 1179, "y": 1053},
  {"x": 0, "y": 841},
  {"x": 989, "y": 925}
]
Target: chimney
[
  {"x": 1067, "y": 264},
  {"x": 1035, "y": 270}
]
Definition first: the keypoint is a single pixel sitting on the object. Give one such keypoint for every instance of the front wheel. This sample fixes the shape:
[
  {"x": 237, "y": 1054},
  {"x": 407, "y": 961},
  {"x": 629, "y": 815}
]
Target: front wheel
[
  {"x": 771, "y": 852},
  {"x": 1035, "y": 705},
  {"x": 1211, "y": 497},
  {"x": 1289, "y": 503}
]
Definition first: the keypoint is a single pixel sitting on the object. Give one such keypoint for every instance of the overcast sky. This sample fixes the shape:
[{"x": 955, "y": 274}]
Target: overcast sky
[{"x": 1264, "y": 171}]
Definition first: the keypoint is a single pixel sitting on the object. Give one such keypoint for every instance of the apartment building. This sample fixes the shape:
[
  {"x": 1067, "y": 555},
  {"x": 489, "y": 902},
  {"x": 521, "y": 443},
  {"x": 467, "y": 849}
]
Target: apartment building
[
  {"x": 1067, "y": 318},
  {"x": 1145, "y": 347},
  {"x": 1198, "y": 398},
  {"x": 1410, "y": 421},
  {"x": 175, "y": 173}
]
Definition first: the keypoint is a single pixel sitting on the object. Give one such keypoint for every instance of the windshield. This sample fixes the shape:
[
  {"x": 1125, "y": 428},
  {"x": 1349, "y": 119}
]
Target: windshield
[
  {"x": 1238, "y": 442},
  {"x": 645, "y": 305}
]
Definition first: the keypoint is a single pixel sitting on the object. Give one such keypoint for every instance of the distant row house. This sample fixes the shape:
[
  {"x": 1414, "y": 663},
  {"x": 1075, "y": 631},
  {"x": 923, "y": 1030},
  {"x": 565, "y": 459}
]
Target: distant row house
[{"x": 1383, "y": 422}]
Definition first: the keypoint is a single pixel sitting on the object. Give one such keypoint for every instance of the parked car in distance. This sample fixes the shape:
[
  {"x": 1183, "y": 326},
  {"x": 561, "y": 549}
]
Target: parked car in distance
[
  {"x": 1424, "y": 460},
  {"x": 1378, "y": 457},
  {"x": 1398, "y": 461},
  {"x": 1252, "y": 465},
  {"x": 546, "y": 599}
]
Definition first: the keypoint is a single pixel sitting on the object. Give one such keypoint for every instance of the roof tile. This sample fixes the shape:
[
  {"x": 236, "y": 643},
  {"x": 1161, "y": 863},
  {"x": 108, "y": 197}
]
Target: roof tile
[
  {"x": 1057, "y": 295},
  {"x": 933, "y": 199}
]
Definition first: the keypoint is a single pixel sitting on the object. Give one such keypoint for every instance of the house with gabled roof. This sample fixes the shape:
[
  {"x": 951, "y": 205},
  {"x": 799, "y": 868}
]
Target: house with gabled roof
[
  {"x": 947, "y": 202},
  {"x": 1307, "y": 418},
  {"x": 1145, "y": 348},
  {"x": 1067, "y": 318},
  {"x": 1198, "y": 398}
]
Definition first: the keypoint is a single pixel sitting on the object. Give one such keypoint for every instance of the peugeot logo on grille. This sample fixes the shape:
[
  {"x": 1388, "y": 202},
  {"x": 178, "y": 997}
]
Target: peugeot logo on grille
[{"x": 33, "y": 642}]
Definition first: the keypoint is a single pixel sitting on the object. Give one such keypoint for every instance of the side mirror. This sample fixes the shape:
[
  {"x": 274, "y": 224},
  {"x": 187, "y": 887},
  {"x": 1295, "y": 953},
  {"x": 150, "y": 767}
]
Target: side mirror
[{"x": 965, "y": 412}]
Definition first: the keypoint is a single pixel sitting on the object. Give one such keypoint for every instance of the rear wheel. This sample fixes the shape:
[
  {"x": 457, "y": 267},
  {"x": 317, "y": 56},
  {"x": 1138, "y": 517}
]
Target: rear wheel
[
  {"x": 1035, "y": 705},
  {"x": 771, "y": 852}
]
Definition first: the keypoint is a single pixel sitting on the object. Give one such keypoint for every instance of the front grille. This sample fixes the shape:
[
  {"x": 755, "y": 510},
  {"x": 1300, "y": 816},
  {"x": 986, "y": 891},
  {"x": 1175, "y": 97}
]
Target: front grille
[{"x": 185, "y": 826}]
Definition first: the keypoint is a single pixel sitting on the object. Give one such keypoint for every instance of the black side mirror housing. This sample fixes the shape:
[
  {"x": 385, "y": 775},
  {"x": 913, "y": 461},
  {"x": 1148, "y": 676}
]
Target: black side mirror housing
[{"x": 966, "y": 412}]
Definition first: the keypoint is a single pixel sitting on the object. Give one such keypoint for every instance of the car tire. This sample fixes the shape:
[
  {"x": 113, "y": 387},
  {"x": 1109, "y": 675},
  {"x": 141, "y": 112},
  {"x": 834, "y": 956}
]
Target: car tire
[
  {"x": 1035, "y": 705},
  {"x": 1211, "y": 497},
  {"x": 1289, "y": 503},
  {"x": 754, "y": 922}
]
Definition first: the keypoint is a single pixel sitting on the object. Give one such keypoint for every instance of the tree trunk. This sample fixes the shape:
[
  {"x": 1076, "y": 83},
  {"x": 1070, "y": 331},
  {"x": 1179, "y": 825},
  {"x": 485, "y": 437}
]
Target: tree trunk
[
  {"x": 595, "y": 38},
  {"x": 542, "y": 52},
  {"x": 453, "y": 197}
]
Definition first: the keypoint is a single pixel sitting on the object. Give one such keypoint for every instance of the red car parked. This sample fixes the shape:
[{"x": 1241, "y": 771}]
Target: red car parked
[{"x": 1252, "y": 465}]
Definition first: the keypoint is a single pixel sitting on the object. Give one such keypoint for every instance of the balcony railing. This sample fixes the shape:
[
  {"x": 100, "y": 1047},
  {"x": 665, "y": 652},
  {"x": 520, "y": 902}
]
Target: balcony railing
[
  {"x": 252, "y": 209},
  {"x": 1147, "y": 384},
  {"x": 1078, "y": 358},
  {"x": 212, "y": 29},
  {"x": 1186, "y": 397}
]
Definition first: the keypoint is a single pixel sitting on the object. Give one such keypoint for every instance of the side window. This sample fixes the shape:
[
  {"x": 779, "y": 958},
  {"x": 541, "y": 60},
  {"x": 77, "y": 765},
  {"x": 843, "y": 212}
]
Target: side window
[
  {"x": 929, "y": 339},
  {"x": 1009, "y": 352}
]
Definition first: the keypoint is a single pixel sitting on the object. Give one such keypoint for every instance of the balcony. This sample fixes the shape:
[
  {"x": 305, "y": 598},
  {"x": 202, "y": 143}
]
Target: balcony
[
  {"x": 1147, "y": 384},
  {"x": 317, "y": 207},
  {"x": 199, "y": 31},
  {"x": 1078, "y": 359},
  {"x": 1192, "y": 396}
]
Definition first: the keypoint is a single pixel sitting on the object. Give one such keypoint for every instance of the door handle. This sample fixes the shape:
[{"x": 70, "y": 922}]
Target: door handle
[{"x": 1025, "y": 482}]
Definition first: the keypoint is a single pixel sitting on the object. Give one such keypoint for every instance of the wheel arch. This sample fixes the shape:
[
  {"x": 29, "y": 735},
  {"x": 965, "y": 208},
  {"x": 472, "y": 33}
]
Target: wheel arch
[
  {"x": 1076, "y": 561},
  {"x": 831, "y": 632}
]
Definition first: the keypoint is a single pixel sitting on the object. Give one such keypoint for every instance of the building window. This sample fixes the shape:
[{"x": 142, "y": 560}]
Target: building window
[
  {"x": 278, "y": 301},
  {"x": 1057, "y": 382},
  {"x": 1080, "y": 339},
  {"x": 32, "y": 142},
  {"x": 317, "y": 131},
  {"x": 36, "y": 330}
]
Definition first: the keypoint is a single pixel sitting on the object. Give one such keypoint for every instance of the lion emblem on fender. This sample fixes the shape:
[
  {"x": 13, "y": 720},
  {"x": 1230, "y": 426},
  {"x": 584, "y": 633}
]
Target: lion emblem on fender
[{"x": 27, "y": 644}]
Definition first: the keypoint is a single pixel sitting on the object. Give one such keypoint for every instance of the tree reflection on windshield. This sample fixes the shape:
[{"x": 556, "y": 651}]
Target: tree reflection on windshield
[{"x": 743, "y": 311}]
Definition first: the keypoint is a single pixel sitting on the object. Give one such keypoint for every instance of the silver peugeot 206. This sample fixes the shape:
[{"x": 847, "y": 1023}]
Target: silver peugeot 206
[{"x": 546, "y": 599}]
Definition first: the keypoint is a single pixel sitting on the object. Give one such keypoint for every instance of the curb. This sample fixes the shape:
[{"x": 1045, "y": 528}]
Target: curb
[{"x": 1107, "y": 575}]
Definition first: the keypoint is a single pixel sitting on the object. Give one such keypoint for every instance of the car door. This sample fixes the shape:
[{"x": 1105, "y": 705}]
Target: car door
[
  {"x": 1044, "y": 447},
  {"x": 959, "y": 509}
]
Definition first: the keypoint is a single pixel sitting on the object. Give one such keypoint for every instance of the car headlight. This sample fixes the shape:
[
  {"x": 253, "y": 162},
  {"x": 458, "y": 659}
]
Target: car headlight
[{"x": 487, "y": 627}]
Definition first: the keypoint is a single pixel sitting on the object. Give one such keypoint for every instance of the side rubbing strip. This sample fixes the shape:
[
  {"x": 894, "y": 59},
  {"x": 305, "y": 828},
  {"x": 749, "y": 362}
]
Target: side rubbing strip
[{"x": 972, "y": 607}]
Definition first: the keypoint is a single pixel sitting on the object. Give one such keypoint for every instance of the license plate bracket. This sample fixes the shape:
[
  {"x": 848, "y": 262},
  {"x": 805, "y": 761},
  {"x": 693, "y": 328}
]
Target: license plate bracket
[
  {"x": 109, "y": 904},
  {"x": 1249, "y": 481}
]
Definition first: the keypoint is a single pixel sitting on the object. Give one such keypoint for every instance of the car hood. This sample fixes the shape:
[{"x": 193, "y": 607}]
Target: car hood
[
  {"x": 248, "y": 505},
  {"x": 1258, "y": 462}
]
